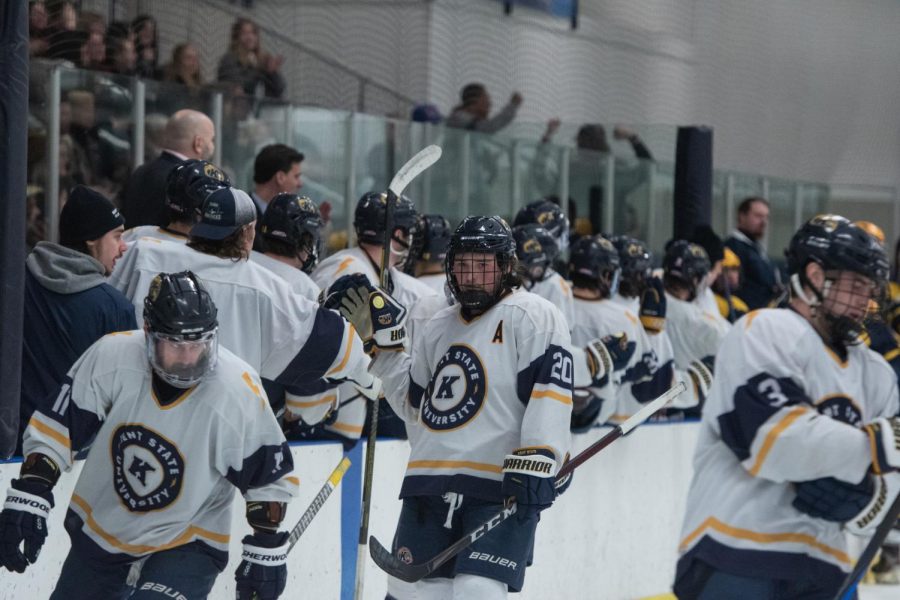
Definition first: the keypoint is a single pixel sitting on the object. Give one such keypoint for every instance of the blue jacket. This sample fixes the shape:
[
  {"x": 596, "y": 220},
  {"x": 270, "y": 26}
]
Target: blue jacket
[{"x": 68, "y": 307}]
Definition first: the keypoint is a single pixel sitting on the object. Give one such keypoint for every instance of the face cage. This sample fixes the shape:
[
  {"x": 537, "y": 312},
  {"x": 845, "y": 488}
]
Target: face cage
[
  {"x": 477, "y": 297},
  {"x": 183, "y": 375},
  {"x": 843, "y": 328},
  {"x": 310, "y": 245}
]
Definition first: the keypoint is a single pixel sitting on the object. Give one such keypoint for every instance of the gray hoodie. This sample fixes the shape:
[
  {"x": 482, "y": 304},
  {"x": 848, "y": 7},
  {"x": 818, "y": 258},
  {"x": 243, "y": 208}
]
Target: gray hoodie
[{"x": 63, "y": 270}]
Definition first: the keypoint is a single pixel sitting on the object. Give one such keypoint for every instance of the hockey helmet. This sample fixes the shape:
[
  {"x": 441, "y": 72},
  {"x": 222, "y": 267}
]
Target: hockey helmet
[
  {"x": 594, "y": 264},
  {"x": 635, "y": 261},
  {"x": 536, "y": 250},
  {"x": 548, "y": 215},
  {"x": 294, "y": 221},
  {"x": 181, "y": 329},
  {"x": 687, "y": 263},
  {"x": 189, "y": 183},
  {"x": 371, "y": 211},
  {"x": 481, "y": 235}
]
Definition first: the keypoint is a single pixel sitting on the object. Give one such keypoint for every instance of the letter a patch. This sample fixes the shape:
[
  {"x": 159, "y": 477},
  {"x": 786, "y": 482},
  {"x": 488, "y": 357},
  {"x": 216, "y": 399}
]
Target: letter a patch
[{"x": 498, "y": 333}]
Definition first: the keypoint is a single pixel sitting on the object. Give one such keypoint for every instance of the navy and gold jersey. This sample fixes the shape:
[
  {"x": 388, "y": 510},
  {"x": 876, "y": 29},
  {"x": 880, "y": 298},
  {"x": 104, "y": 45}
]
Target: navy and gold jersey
[
  {"x": 474, "y": 391},
  {"x": 783, "y": 409},
  {"x": 159, "y": 475}
]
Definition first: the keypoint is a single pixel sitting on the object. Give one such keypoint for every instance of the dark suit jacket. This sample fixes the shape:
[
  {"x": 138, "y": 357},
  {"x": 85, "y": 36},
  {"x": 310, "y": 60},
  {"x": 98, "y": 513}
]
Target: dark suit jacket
[
  {"x": 759, "y": 282},
  {"x": 144, "y": 196}
]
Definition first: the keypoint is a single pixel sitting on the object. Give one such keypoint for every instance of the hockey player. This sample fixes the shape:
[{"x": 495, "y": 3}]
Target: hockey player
[
  {"x": 594, "y": 269},
  {"x": 173, "y": 423},
  {"x": 430, "y": 250},
  {"x": 188, "y": 184},
  {"x": 799, "y": 438},
  {"x": 369, "y": 223},
  {"x": 290, "y": 229},
  {"x": 488, "y": 384},
  {"x": 282, "y": 335},
  {"x": 695, "y": 334},
  {"x": 551, "y": 285}
]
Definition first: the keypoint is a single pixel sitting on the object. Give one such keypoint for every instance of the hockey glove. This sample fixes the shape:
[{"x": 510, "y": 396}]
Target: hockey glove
[
  {"x": 528, "y": 476},
  {"x": 606, "y": 355},
  {"x": 262, "y": 574},
  {"x": 832, "y": 499},
  {"x": 653, "y": 306},
  {"x": 872, "y": 514},
  {"x": 884, "y": 439},
  {"x": 24, "y": 519},
  {"x": 701, "y": 374},
  {"x": 376, "y": 316},
  {"x": 563, "y": 484}
]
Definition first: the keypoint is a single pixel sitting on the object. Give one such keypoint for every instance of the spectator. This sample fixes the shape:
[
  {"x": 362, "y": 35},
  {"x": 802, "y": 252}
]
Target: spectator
[
  {"x": 247, "y": 65},
  {"x": 761, "y": 282},
  {"x": 93, "y": 52},
  {"x": 185, "y": 67},
  {"x": 475, "y": 106},
  {"x": 189, "y": 135},
  {"x": 426, "y": 113},
  {"x": 68, "y": 304},
  {"x": 276, "y": 170},
  {"x": 122, "y": 57},
  {"x": 92, "y": 22},
  {"x": 83, "y": 130},
  {"x": 63, "y": 40},
  {"x": 38, "y": 28},
  {"x": 146, "y": 46}
]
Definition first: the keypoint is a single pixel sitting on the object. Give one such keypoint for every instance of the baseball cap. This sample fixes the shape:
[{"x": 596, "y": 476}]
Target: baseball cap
[
  {"x": 224, "y": 211},
  {"x": 87, "y": 215}
]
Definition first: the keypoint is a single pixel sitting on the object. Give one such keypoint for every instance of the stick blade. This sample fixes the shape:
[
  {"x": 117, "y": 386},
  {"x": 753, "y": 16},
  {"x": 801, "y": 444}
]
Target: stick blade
[
  {"x": 426, "y": 157},
  {"x": 392, "y": 565}
]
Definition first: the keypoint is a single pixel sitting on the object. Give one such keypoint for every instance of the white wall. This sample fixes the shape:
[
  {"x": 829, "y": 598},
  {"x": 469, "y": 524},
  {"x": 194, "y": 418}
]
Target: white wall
[{"x": 613, "y": 535}]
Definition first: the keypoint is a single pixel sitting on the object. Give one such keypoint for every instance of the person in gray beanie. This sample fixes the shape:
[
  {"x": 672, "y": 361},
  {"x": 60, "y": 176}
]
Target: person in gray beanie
[{"x": 68, "y": 304}]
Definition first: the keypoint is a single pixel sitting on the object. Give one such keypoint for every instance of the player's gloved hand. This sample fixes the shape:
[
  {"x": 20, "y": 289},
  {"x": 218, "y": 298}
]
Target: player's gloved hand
[
  {"x": 653, "y": 306},
  {"x": 832, "y": 499},
  {"x": 376, "y": 316},
  {"x": 563, "y": 483},
  {"x": 528, "y": 476},
  {"x": 24, "y": 519},
  {"x": 872, "y": 514},
  {"x": 262, "y": 574},
  {"x": 701, "y": 374},
  {"x": 608, "y": 354},
  {"x": 884, "y": 438}
]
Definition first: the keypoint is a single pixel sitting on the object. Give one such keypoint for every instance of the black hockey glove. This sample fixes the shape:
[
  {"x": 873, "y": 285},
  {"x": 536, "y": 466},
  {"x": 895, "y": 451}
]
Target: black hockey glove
[
  {"x": 832, "y": 499},
  {"x": 653, "y": 306},
  {"x": 262, "y": 574},
  {"x": 608, "y": 354},
  {"x": 884, "y": 439},
  {"x": 528, "y": 476},
  {"x": 24, "y": 519}
]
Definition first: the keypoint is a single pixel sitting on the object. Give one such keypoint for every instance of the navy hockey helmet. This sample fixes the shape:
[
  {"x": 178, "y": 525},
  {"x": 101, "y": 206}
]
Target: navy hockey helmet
[
  {"x": 294, "y": 221},
  {"x": 536, "y": 250},
  {"x": 189, "y": 183},
  {"x": 481, "y": 235},
  {"x": 548, "y": 215},
  {"x": 636, "y": 263},
  {"x": 836, "y": 244},
  {"x": 594, "y": 264},
  {"x": 369, "y": 218},
  {"x": 433, "y": 239},
  {"x": 181, "y": 324},
  {"x": 686, "y": 264}
]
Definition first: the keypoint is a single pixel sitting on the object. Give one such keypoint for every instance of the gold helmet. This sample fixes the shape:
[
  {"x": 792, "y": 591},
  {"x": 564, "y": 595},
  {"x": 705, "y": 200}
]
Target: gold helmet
[{"x": 872, "y": 229}]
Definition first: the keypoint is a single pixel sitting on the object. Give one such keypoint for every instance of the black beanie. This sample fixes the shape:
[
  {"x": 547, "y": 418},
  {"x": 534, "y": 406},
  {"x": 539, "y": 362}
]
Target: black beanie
[
  {"x": 706, "y": 238},
  {"x": 87, "y": 215}
]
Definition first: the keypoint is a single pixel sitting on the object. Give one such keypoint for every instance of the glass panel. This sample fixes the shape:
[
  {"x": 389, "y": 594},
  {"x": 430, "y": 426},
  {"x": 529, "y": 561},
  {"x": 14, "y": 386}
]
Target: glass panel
[
  {"x": 661, "y": 210},
  {"x": 782, "y": 212},
  {"x": 38, "y": 150},
  {"x": 161, "y": 100}
]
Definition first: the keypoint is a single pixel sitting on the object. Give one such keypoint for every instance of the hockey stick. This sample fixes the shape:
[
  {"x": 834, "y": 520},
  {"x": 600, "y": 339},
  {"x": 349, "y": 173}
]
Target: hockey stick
[
  {"x": 875, "y": 544},
  {"x": 412, "y": 573},
  {"x": 332, "y": 482},
  {"x": 409, "y": 171}
]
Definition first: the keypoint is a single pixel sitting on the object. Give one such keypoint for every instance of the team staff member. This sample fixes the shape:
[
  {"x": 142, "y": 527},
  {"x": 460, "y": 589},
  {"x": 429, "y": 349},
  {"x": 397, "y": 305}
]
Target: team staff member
[
  {"x": 179, "y": 423},
  {"x": 799, "y": 438},
  {"x": 489, "y": 382}
]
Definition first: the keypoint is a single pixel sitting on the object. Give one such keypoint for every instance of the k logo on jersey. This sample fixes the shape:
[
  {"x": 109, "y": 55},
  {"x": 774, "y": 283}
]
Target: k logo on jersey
[
  {"x": 148, "y": 469},
  {"x": 457, "y": 390}
]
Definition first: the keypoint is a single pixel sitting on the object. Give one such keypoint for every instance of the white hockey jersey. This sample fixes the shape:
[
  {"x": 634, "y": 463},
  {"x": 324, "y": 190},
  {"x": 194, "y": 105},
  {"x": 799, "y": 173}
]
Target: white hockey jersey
[
  {"x": 436, "y": 281},
  {"x": 694, "y": 333},
  {"x": 152, "y": 231},
  {"x": 643, "y": 379},
  {"x": 158, "y": 475},
  {"x": 406, "y": 290},
  {"x": 474, "y": 391},
  {"x": 558, "y": 291},
  {"x": 300, "y": 282},
  {"x": 783, "y": 408},
  {"x": 282, "y": 335}
]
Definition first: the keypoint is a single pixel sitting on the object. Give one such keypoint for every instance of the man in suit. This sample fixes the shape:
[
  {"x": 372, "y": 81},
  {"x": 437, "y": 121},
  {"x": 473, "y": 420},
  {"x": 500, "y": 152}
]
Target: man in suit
[
  {"x": 189, "y": 134},
  {"x": 761, "y": 281},
  {"x": 276, "y": 170}
]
